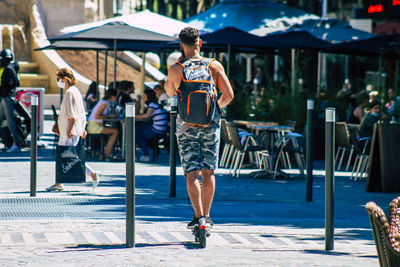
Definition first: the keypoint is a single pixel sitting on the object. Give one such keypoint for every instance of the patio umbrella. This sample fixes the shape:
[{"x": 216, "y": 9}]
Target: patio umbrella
[
  {"x": 237, "y": 39},
  {"x": 333, "y": 31},
  {"x": 145, "y": 19},
  {"x": 382, "y": 46},
  {"x": 116, "y": 32},
  {"x": 387, "y": 45},
  {"x": 231, "y": 37},
  {"x": 123, "y": 45},
  {"x": 296, "y": 39},
  {"x": 77, "y": 45}
]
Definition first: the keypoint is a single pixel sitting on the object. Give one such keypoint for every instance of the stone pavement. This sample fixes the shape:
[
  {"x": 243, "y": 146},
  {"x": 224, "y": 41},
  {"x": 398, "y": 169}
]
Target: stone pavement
[{"x": 258, "y": 222}]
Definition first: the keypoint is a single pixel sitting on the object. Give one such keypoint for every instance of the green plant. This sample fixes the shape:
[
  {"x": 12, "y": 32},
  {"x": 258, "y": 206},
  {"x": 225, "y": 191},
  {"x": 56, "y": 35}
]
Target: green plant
[{"x": 268, "y": 105}]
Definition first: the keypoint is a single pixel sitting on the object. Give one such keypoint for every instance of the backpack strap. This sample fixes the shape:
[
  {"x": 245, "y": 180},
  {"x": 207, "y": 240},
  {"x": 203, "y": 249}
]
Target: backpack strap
[
  {"x": 184, "y": 62},
  {"x": 207, "y": 61}
]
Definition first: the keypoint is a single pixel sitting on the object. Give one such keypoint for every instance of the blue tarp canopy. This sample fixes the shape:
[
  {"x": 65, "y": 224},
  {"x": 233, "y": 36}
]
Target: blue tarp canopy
[
  {"x": 245, "y": 15},
  {"x": 332, "y": 30}
]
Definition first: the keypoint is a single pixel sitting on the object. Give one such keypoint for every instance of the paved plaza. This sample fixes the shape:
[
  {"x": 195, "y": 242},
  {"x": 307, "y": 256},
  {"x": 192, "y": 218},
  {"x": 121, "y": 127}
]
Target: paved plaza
[{"x": 258, "y": 222}]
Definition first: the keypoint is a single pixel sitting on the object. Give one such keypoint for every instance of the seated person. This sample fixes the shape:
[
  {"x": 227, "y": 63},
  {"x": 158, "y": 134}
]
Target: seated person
[
  {"x": 92, "y": 96},
  {"x": 95, "y": 122},
  {"x": 123, "y": 97},
  {"x": 367, "y": 125},
  {"x": 158, "y": 125},
  {"x": 162, "y": 97}
]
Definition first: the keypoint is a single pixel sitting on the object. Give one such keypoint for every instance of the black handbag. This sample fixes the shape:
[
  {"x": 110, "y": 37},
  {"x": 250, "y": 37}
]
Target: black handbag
[{"x": 70, "y": 164}]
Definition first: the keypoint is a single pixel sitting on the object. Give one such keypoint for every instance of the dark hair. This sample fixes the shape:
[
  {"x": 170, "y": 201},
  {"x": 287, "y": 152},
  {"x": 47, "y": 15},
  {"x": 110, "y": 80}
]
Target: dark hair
[
  {"x": 126, "y": 85},
  {"x": 151, "y": 96},
  {"x": 111, "y": 85},
  {"x": 158, "y": 87},
  {"x": 109, "y": 93},
  {"x": 189, "y": 36},
  {"x": 93, "y": 89},
  {"x": 374, "y": 103}
]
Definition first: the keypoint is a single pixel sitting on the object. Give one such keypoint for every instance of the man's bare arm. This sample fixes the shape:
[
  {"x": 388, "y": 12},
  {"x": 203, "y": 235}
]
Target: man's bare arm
[
  {"x": 223, "y": 84},
  {"x": 174, "y": 79}
]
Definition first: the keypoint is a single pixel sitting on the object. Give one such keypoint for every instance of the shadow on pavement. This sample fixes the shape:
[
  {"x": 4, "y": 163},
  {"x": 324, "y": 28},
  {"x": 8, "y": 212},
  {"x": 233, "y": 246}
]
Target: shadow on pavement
[{"x": 89, "y": 247}]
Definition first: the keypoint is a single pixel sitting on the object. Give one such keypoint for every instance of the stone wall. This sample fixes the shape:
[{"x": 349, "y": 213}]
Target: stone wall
[
  {"x": 15, "y": 12},
  {"x": 58, "y": 14}
]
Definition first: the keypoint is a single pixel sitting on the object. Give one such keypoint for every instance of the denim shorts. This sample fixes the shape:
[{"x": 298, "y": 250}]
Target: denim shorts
[{"x": 199, "y": 147}]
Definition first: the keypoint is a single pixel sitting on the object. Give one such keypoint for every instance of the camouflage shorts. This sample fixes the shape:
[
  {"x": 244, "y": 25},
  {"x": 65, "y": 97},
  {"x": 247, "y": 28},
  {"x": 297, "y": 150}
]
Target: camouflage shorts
[{"x": 199, "y": 147}]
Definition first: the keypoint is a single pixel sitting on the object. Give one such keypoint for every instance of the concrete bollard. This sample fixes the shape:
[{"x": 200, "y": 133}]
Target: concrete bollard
[
  {"x": 34, "y": 127},
  {"x": 329, "y": 177},
  {"x": 130, "y": 174}
]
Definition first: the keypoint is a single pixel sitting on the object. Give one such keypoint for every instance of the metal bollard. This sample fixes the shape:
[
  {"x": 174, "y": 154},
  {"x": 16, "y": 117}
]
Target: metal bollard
[
  {"x": 130, "y": 174},
  {"x": 309, "y": 150},
  {"x": 329, "y": 177},
  {"x": 172, "y": 147},
  {"x": 34, "y": 118}
]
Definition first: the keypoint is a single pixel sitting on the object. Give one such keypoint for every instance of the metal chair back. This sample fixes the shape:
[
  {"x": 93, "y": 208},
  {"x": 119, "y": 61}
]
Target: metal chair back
[{"x": 342, "y": 135}]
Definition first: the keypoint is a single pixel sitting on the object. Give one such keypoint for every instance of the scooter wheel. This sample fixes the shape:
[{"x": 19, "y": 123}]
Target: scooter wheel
[{"x": 202, "y": 238}]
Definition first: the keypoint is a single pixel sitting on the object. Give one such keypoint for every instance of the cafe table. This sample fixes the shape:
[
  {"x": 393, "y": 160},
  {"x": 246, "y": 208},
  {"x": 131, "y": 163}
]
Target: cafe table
[
  {"x": 274, "y": 131},
  {"x": 270, "y": 128},
  {"x": 247, "y": 122}
]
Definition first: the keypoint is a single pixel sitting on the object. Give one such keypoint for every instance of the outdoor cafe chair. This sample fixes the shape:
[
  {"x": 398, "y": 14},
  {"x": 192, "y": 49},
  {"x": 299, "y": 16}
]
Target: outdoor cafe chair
[
  {"x": 385, "y": 233},
  {"x": 290, "y": 143},
  {"x": 362, "y": 162},
  {"x": 240, "y": 150},
  {"x": 344, "y": 144},
  {"x": 263, "y": 157},
  {"x": 227, "y": 151}
]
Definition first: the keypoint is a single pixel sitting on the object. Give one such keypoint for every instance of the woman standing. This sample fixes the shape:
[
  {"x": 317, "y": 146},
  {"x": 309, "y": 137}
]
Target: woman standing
[{"x": 71, "y": 120}]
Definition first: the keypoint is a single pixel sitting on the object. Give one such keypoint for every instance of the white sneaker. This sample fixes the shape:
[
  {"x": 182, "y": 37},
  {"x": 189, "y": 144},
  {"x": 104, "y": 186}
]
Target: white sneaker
[
  {"x": 144, "y": 158},
  {"x": 96, "y": 181},
  {"x": 14, "y": 148},
  {"x": 55, "y": 187}
]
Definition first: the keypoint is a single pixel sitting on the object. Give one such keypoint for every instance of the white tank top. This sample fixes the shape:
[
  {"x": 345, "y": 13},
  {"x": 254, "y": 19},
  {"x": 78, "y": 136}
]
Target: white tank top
[{"x": 92, "y": 116}]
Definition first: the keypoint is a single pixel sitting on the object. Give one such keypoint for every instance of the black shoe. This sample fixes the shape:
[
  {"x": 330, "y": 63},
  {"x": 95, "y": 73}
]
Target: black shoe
[
  {"x": 193, "y": 223},
  {"x": 209, "y": 221}
]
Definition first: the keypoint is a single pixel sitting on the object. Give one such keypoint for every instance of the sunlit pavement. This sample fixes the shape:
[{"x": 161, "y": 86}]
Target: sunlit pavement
[{"x": 258, "y": 222}]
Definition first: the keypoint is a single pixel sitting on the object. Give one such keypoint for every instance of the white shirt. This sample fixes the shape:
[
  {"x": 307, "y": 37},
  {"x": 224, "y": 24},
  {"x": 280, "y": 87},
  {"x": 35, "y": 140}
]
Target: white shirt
[{"x": 72, "y": 107}]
